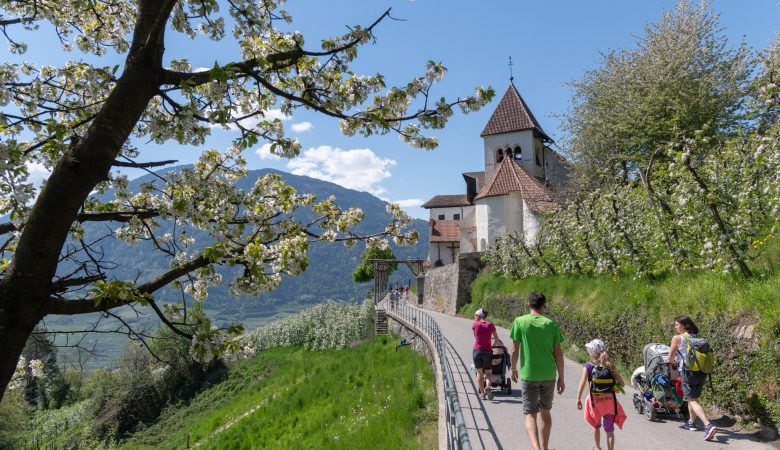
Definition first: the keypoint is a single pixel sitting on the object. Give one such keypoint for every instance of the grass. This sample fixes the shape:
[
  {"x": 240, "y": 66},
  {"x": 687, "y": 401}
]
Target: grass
[
  {"x": 307, "y": 399},
  {"x": 659, "y": 301}
]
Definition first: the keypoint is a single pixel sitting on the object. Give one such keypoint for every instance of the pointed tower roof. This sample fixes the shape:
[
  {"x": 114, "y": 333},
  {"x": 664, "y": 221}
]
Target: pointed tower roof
[
  {"x": 512, "y": 114},
  {"x": 511, "y": 177}
]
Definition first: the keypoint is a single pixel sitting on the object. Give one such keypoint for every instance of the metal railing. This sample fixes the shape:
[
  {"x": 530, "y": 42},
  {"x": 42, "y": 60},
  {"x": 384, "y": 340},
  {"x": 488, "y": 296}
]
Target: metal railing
[{"x": 457, "y": 435}]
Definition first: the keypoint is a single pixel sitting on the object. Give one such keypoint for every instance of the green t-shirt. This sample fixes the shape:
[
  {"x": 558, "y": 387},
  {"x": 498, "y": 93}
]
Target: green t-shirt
[{"x": 537, "y": 335}]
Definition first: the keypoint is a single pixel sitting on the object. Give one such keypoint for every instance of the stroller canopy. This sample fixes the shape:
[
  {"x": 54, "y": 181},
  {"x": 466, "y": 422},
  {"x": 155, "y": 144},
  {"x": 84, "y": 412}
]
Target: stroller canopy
[{"x": 653, "y": 355}]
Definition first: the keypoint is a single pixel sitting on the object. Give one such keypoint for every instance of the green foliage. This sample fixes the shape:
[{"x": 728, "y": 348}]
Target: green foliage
[
  {"x": 365, "y": 270},
  {"x": 740, "y": 318},
  {"x": 680, "y": 77},
  {"x": 308, "y": 399},
  {"x": 13, "y": 419}
]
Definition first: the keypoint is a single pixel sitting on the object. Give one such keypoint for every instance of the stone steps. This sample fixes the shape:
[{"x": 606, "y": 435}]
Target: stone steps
[{"x": 380, "y": 322}]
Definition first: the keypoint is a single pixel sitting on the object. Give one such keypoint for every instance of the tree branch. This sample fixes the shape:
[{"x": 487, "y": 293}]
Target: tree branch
[
  {"x": 56, "y": 305},
  {"x": 276, "y": 59},
  {"x": 145, "y": 165}
]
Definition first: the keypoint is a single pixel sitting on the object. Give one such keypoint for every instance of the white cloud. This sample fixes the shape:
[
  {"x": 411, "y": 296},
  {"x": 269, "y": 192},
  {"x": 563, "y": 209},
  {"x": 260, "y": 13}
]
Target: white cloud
[
  {"x": 302, "y": 127},
  {"x": 264, "y": 152},
  {"x": 409, "y": 202},
  {"x": 360, "y": 169},
  {"x": 38, "y": 173}
]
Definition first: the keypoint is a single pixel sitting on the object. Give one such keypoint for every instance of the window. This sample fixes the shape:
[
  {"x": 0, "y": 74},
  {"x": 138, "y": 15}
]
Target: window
[
  {"x": 508, "y": 153},
  {"x": 536, "y": 154},
  {"x": 518, "y": 153},
  {"x": 456, "y": 217},
  {"x": 499, "y": 156},
  {"x": 441, "y": 216}
]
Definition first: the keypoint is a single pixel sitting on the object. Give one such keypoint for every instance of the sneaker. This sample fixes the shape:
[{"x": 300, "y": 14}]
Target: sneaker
[
  {"x": 482, "y": 395},
  {"x": 690, "y": 426},
  {"x": 490, "y": 394},
  {"x": 709, "y": 432}
]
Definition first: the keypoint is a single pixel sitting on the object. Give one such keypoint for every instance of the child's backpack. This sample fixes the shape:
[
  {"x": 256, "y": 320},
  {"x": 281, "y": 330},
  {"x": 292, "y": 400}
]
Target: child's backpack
[
  {"x": 698, "y": 354},
  {"x": 602, "y": 381}
]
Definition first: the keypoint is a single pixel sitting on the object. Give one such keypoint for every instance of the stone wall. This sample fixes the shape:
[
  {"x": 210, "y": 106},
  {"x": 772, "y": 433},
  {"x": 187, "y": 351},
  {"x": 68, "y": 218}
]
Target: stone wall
[
  {"x": 447, "y": 288},
  {"x": 441, "y": 288},
  {"x": 469, "y": 266}
]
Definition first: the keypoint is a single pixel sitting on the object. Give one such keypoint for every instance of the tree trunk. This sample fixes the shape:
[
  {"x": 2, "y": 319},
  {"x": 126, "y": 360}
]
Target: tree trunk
[
  {"x": 712, "y": 207},
  {"x": 26, "y": 287},
  {"x": 17, "y": 320}
]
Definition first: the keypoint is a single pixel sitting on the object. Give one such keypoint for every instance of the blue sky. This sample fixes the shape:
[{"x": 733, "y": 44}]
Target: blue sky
[{"x": 551, "y": 43}]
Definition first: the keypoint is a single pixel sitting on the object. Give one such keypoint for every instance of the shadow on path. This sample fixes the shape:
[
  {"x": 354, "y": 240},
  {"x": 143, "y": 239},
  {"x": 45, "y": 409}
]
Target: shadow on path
[{"x": 465, "y": 385}]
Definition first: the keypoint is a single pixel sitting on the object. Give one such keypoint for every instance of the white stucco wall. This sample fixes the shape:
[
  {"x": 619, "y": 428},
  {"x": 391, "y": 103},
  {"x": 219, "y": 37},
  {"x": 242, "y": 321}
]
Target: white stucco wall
[
  {"x": 513, "y": 213},
  {"x": 532, "y": 226},
  {"x": 525, "y": 139},
  {"x": 482, "y": 212},
  {"x": 448, "y": 212},
  {"x": 497, "y": 216}
]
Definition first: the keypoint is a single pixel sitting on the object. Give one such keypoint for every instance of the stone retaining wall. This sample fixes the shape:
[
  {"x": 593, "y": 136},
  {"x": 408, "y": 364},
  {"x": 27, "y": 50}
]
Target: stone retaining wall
[{"x": 447, "y": 288}]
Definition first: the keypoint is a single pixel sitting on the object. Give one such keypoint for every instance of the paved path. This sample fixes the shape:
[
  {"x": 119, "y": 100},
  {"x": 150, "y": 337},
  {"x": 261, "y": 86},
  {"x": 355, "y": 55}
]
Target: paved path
[{"x": 498, "y": 424}]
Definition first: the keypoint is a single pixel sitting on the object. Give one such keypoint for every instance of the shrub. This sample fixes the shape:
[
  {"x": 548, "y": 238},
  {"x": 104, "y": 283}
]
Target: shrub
[{"x": 327, "y": 325}]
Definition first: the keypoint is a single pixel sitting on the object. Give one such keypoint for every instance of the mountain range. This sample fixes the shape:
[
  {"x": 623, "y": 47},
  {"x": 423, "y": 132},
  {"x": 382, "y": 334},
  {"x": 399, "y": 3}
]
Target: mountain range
[{"x": 328, "y": 277}]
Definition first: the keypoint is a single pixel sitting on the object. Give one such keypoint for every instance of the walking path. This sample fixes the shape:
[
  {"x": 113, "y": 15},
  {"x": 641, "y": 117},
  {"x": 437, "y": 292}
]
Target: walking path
[{"x": 498, "y": 424}]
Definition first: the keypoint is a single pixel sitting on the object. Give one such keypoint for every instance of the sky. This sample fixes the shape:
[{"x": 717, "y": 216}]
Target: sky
[{"x": 550, "y": 42}]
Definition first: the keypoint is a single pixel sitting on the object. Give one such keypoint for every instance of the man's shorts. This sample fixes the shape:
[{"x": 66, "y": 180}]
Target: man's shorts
[
  {"x": 537, "y": 395},
  {"x": 482, "y": 359},
  {"x": 692, "y": 384}
]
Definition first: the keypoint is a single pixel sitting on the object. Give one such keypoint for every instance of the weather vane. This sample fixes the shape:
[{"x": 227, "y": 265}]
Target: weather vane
[{"x": 511, "y": 75}]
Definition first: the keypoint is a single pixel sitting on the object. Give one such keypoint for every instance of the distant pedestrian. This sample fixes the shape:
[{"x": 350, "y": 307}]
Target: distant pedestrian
[
  {"x": 692, "y": 381},
  {"x": 482, "y": 352},
  {"x": 601, "y": 405},
  {"x": 542, "y": 357}
]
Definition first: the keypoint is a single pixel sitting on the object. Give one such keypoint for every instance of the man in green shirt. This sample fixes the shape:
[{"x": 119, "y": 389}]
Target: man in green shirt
[{"x": 542, "y": 357}]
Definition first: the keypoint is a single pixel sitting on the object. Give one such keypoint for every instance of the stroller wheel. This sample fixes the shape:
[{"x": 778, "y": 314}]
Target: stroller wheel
[
  {"x": 649, "y": 412},
  {"x": 508, "y": 387},
  {"x": 639, "y": 404}
]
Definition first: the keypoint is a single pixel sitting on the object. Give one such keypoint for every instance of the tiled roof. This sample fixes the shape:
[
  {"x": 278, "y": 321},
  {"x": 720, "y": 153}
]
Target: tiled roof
[
  {"x": 511, "y": 177},
  {"x": 445, "y": 231},
  {"x": 512, "y": 114},
  {"x": 446, "y": 201}
]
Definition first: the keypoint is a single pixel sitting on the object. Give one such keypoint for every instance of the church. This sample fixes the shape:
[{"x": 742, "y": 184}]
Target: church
[{"x": 518, "y": 183}]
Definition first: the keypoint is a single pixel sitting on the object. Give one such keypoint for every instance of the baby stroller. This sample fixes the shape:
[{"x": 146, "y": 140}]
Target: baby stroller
[
  {"x": 656, "y": 384},
  {"x": 500, "y": 364}
]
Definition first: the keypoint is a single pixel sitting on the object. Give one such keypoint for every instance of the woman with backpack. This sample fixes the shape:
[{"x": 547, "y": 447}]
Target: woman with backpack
[
  {"x": 601, "y": 405},
  {"x": 692, "y": 378}
]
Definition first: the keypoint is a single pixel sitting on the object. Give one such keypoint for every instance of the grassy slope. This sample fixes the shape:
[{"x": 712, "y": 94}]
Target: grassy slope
[
  {"x": 328, "y": 399},
  {"x": 627, "y": 313}
]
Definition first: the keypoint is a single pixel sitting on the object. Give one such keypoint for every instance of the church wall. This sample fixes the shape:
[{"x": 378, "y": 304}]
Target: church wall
[
  {"x": 491, "y": 220},
  {"x": 482, "y": 211},
  {"x": 525, "y": 139},
  {"x": 533, "y": 227},
  {"x": 513, "y": 213}
]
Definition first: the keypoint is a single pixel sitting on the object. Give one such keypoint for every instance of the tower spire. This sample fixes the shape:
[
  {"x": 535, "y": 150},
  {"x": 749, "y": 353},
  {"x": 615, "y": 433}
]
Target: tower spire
[{"x": 511, "y": 75}]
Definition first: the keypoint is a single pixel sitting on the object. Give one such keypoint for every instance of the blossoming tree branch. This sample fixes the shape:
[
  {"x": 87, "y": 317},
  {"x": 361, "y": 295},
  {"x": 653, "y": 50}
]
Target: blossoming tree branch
[{"x": 78, "y": 120}]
